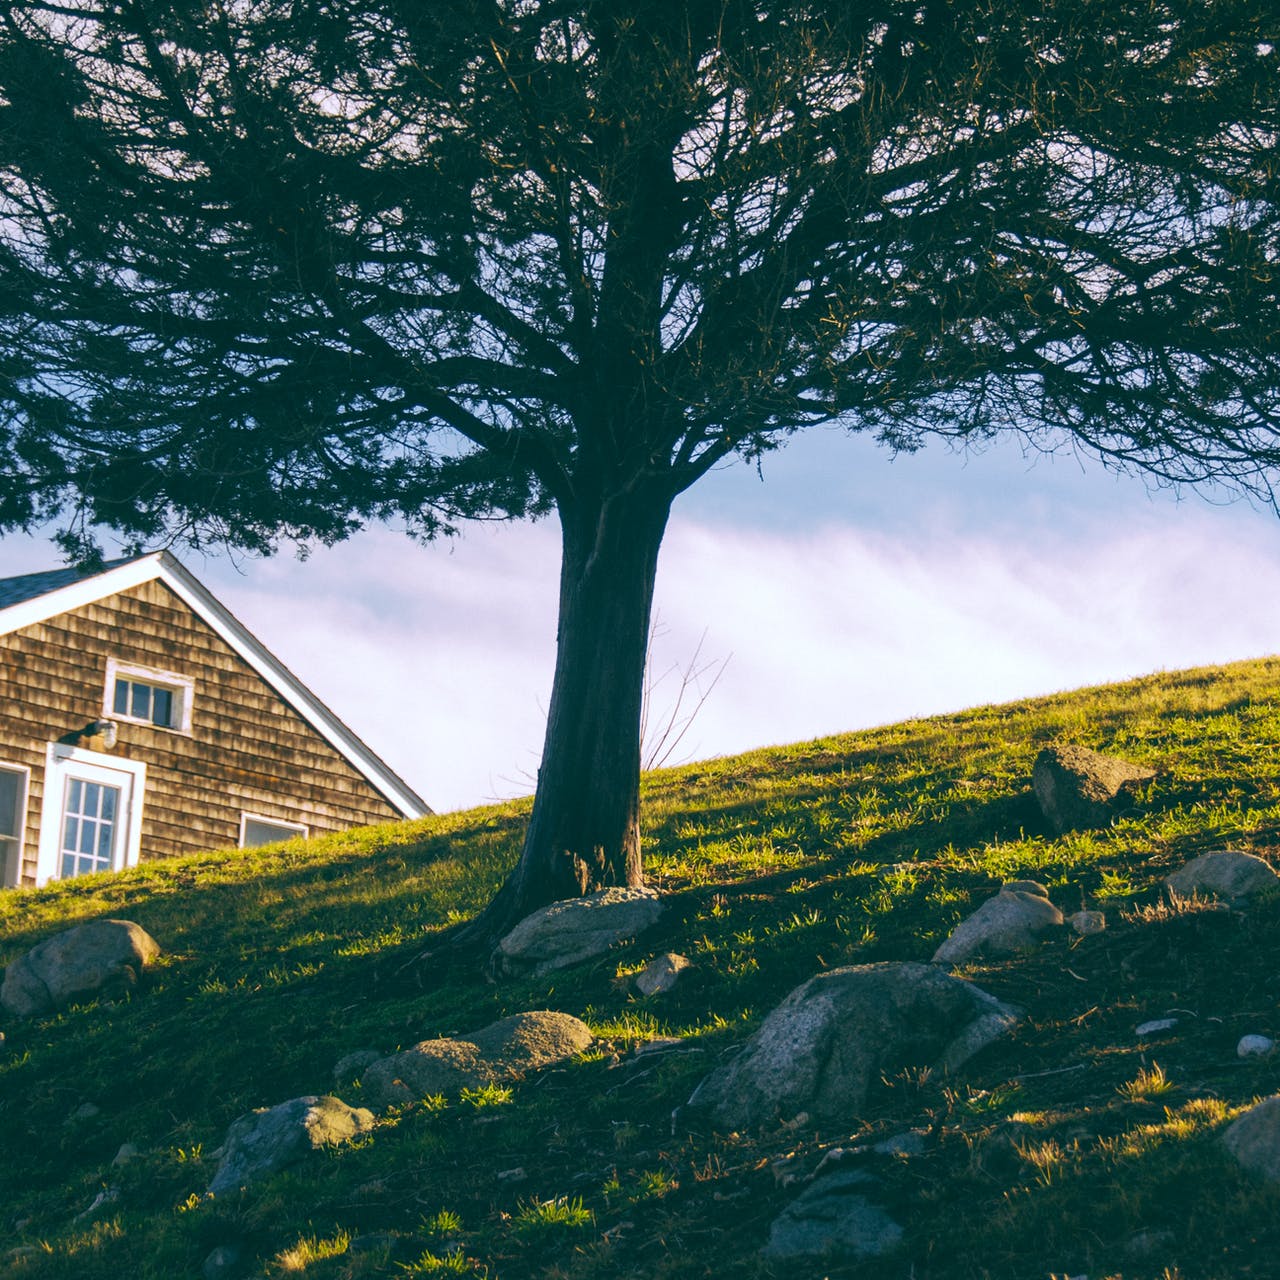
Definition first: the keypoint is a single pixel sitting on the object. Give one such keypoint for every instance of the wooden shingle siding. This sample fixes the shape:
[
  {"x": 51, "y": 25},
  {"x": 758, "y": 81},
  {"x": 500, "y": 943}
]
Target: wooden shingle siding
[{"x": 248, "y": 749}]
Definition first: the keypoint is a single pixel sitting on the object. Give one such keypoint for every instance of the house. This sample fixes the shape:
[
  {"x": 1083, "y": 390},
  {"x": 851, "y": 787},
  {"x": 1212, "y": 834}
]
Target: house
[{"x": 139, "y": 719}]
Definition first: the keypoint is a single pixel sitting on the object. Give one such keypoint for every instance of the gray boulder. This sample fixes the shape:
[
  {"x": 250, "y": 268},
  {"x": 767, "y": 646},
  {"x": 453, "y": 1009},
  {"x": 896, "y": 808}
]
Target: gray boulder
[
  {"x": 1078, "y": 788},
  {"x": 834, "y": 1219},
  {"x": 1226, "y": 874},
  {"x": 824, "y": 1047},
  {"x": 1253, "y": 1138},
  {"x": 566, "y": 933},
  {"x": 272, "y": 1138},
  {"x": 661, "y": 974},
  {"x": 100, "y": 957},
  {"x": 1006, "y": 925},
  {"x": 505, "y": 1050},
  {"x": 351, "y": 1066}
]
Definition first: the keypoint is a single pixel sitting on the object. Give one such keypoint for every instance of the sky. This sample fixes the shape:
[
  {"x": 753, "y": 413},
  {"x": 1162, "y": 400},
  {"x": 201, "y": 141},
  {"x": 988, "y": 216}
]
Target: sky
[{"x": 840, "y": 588}]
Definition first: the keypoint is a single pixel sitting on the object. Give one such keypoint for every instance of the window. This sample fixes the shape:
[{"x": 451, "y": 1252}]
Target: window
[
  {"x": 145, "y": 695},
  {"x": 91, "y": 816},
  {"x": 141, "y": 701},
  {"x": 88, "y": 827},
  {"x": 13, "y": 817},
  {"x": 255, "y": 830}
]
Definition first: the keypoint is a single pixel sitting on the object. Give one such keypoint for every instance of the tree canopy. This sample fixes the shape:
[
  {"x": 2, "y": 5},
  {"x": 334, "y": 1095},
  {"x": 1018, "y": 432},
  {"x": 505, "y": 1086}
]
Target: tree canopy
[{"x": 271, "y": 269}]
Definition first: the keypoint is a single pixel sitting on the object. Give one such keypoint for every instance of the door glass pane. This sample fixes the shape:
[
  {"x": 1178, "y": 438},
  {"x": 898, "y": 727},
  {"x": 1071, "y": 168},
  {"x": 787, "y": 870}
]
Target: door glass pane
[{"x": 89, "y": 827}]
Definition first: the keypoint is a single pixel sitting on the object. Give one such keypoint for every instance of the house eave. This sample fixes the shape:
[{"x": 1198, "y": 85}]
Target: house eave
[{"x": 164, "y": 567}]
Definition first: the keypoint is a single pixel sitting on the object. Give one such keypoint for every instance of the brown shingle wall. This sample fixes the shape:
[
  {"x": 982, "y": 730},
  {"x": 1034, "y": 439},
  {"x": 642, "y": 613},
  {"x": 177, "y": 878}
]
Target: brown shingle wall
[{"x": 248, "y": 750}]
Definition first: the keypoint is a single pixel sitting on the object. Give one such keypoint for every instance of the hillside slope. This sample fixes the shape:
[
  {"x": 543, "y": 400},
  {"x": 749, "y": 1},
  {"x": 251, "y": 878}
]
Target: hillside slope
[{"x": 1075, "y": 1147}]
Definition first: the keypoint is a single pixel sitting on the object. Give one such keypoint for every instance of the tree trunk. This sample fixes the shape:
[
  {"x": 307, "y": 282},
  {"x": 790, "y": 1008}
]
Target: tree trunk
[{"x": 584, "y": 833}]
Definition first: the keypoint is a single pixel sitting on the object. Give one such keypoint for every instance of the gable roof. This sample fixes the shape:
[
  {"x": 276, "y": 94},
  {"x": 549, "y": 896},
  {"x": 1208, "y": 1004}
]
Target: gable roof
[{"x": 37, "y": 597}]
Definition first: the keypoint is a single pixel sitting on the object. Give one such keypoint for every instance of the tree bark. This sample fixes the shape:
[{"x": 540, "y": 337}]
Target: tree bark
[{"x": 584, "y": 832}]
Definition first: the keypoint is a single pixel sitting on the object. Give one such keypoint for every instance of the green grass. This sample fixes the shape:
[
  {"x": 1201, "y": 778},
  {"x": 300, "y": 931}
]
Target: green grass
[{"x": 1048, "y": 1154}]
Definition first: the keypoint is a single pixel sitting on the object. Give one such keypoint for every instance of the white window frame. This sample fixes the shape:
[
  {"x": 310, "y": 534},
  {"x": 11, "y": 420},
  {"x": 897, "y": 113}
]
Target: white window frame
[
  {"x": 11, "y": 848},
  {"x": 61, "y": 763},
  {"x": 293, "y": 828},
  {"x": 182, "y": 687}
]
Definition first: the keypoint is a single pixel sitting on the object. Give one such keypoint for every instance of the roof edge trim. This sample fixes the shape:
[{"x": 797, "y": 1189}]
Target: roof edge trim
[{"x": 168, "y": 569}]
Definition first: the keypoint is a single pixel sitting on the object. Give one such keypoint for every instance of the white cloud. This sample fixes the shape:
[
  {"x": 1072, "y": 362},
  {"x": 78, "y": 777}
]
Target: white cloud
[{"x": 441, "y": 657}]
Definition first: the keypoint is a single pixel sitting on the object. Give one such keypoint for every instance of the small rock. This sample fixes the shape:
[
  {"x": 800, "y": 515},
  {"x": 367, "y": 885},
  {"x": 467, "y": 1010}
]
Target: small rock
[
  {"x": 1227, "y": 874},
  {"x": 103, "y": 956},
  {"x": 1078, "y": 788},
  {"x": 834, "y": 1217},
  {"x": 1253, "y": 1138},
  {"x": 660, "y": 1044},
  {"x": 348, "y": 1069},
  {"x": 374, "y": 1242},
  {"x": 566, "y": 933},
  {"x": 512, "y": 1175},
  {"x": 915, "y": 1142},
  {"x": 661, "y": 974},
  {"x": 85, "y": 1111},
  {"x": 272, "y": 1138},
  {"x": 222, "y": 1263},
  {"x": 1013, "y": 921},
  {"x": 1156, "y": 1027},
  {"x": 504, "y": 1050},
  {"x": 1087, "y": 922},
  {"x": 103, "y": 1200},
  {"x": 1033, "y": 887},
  {"x": 1254, "y": 1046},
  {"x": 126, "y": 1153},
  {"x": 1148, "y": 1243}
]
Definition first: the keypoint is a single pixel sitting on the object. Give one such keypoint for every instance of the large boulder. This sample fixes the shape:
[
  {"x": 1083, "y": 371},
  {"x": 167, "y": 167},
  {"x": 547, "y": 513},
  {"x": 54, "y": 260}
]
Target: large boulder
[
  {"x": 824, "y": 1047},
  {"x": 1253, "y": 1138},
  {"x": 834, "y": 1218},
  {"x": 272, "y": 1138},
  {"x": 1226, "y": 874},
  {"x": 1012, "y": 922},
  {"x": 1078, "y": 788},
  {"x": 505, "y": 1050},
  {"x": 566, "y": 933},
  {"x": 100, "y": 957}
]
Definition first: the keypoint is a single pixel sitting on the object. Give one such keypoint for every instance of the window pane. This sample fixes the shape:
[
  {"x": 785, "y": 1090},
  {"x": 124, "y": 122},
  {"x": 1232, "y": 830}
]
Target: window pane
[
  {"x": 121, "y": 703},
  {"x": 10, "y": 802},
  {"x": 140, "y": 704},
  {"x": 162, "y": 707},
  {"x": 257, "y": 832}
]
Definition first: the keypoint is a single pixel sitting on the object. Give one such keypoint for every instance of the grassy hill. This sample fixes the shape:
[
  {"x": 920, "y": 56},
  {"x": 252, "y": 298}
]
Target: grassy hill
[{"x": 1074, "y": 1148}]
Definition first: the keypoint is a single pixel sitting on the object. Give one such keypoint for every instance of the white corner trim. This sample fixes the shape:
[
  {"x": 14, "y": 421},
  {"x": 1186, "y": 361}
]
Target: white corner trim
[
  {"x": 165, "y": 567},
  {"x": 60, "y": 762}
]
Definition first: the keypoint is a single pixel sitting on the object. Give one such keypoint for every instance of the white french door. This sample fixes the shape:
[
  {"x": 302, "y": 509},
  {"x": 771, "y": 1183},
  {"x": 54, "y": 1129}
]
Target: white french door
[{"x": 91, "y": 816}]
